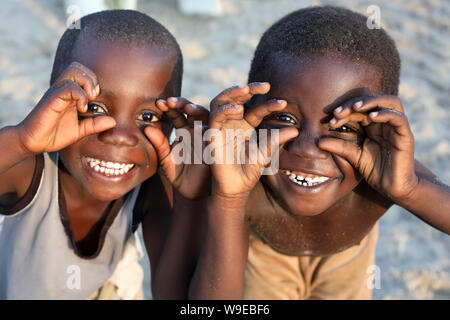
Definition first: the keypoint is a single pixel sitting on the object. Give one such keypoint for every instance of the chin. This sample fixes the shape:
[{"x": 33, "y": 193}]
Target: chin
[{"x": 305, "y": 208}]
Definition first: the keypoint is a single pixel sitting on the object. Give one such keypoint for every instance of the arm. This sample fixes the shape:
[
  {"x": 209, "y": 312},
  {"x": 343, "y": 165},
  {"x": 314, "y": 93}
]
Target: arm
[
  {"x": 220, "y": 270},
  {"x": 15, "y": 162},
  {"x": 181, "y": 249},
  {"x": 429, "y": 200},
  {"x": 172, "y": 269}
]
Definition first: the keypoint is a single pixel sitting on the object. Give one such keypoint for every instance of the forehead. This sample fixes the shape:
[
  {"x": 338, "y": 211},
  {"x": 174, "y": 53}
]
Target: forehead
[
  {"x": 323, "y": 80},
  {"x": 125, "y": 67}
]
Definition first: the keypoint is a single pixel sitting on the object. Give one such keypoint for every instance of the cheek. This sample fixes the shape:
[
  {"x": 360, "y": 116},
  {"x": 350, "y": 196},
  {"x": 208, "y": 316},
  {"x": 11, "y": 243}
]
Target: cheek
[
  {"x": 69, "y": 156},
  {"x": 152, "y": 163},
  {"x": 351, "y": 177}
]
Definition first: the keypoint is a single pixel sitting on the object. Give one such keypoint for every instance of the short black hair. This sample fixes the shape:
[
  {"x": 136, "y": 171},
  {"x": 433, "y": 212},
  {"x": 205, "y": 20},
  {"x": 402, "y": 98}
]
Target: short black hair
[
  {"x": 129, "y": 26},
  {"x": 328, "y": 29}
]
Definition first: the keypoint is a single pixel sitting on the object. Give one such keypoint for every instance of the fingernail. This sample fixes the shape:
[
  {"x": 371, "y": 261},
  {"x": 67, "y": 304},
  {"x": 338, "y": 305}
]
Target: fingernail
[
  {"x": 338, "y": 110},
  {"x": 333, "y": 121},
  {"x": 85, "y": 108},
  {"x": 358, "y": 104},
  {"x": 97, "y": 89},
  {"x": 374, "y": 114},
  {"x": 280, "y": 101}
]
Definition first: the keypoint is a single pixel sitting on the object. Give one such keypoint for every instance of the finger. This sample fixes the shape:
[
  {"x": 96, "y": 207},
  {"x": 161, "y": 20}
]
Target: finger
[
  {"x": 193, "y": 111},
  {"x": 92, "y": 125},
  {"x": 90, "y": 73},
  {"x": 284, "y": 135},
  {"x": 239, "y": 94},
  {"x": 69, "y": 93},
  {"x": 287, "y": 134},
  {"x": 256, "y": 115},
  {"x": 226, "y": 112},
  {"x": 159, "y": 141},
  {"x": 362, "y": 118},
  {"x": 378, "y": 101},
  {"x": 259, "y": 87},
  {"x": 83, "y": 79},
  {"x": 196, "y": 112},
  {"x": 345, "y": 149},
  {"x": 397, "y": 120},
  {"x": 170, "y": 108}
]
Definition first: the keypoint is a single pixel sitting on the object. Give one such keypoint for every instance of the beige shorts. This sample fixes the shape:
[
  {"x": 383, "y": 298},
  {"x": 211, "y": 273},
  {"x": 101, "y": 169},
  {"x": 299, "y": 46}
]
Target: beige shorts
[
  {"x": 344, "y": 275},
  {"x": 126, "y": 281}
]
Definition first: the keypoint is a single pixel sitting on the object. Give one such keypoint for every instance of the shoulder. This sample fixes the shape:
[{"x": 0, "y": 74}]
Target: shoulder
[
  {"x": 370, "y": 198},
  {"x": 21, "y": 181}
]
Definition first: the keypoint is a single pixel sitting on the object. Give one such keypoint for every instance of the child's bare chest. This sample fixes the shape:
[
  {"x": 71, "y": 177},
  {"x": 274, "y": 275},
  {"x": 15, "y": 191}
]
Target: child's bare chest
[{"x": 327, "y": 233}]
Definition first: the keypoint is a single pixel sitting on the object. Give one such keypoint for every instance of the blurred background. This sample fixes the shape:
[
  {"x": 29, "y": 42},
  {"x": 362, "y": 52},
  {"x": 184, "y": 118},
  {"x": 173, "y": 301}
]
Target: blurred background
[{"x": 218, "y": 38}]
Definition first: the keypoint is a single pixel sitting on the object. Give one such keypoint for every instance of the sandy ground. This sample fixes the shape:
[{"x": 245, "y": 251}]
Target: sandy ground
[{"x": 413, "y": 258}]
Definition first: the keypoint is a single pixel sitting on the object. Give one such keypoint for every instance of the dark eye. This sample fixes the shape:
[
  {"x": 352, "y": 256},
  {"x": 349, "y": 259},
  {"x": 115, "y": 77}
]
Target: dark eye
[
  {"x": 148, "y": 117},
  {"x": 286, "y": 118},
  {"x": 282, "y": 117},
  {"x": 344, "y": 129},
  {"x": 95, "y": 108}
]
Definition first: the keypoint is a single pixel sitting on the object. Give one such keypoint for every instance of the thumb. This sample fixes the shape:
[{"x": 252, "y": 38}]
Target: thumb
[
  {"x": 287, "y": 134},
  {"x": 162, "y": 147},
  {"x": 350, "y": 151},
  {"x": 93, "y": 125}
]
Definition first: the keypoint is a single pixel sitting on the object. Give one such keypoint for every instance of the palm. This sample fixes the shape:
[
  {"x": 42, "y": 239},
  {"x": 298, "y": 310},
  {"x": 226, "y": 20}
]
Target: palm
[
  {"x": 52, "y": 130},
  {"x": 188, "y": 178},
  {"x": 234, "y": 176}
]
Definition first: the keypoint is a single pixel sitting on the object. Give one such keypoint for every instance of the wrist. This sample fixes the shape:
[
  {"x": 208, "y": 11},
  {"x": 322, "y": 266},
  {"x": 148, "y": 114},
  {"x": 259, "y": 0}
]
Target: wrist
[
  {"x": 15, "y": 137},
  {"x": 408, "y": 197},
  {"x": 18, "y": 134},
  {"x": 229, "y": 201}
]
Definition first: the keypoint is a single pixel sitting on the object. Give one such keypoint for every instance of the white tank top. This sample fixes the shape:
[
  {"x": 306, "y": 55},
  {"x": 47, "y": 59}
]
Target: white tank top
[{"x": 38, "y": 259}]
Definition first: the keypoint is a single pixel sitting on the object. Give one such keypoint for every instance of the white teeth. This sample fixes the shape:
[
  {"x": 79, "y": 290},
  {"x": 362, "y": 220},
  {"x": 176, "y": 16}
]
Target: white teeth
[
  {"x": 305, "y": 181},
  {"x": 108, "y": 167}
]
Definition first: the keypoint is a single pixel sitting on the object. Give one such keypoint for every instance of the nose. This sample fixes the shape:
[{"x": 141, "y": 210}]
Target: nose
[
  {"x": 122, "y": 135},
  {"x": 305, "y": 146}
]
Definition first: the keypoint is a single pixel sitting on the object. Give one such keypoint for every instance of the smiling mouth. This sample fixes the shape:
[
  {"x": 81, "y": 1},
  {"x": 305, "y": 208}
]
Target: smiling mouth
[
  {"x": 305, "y": 179},
  {"x": 109, "y": 168}
]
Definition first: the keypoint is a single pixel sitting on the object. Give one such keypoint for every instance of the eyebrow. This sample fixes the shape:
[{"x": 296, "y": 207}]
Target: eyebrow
[{"x": 110, "y": 94}]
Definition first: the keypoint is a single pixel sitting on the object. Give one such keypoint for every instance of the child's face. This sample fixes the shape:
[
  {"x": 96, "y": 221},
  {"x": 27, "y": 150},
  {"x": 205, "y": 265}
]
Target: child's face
[
  {"x": 130, "y": 79},
  {"x": 313, "y": 87}
]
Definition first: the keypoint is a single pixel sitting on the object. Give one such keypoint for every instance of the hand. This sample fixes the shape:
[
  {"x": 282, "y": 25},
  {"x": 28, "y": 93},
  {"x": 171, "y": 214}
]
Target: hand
[
  {"x": 232, "y": 178},
  {"x": 386, "y": 157},
  {"x": 190, "y": 178},
  {"x": 53, "y": 124}
]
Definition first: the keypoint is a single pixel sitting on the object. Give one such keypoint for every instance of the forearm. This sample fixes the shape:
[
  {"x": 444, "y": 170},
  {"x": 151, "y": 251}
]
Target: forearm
[
  {"x": 430, "y": 201},
  {"x": 181, "y": 250},
  {"x": 12, "y": 150},
  {"x": 220, "y": 270}
]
